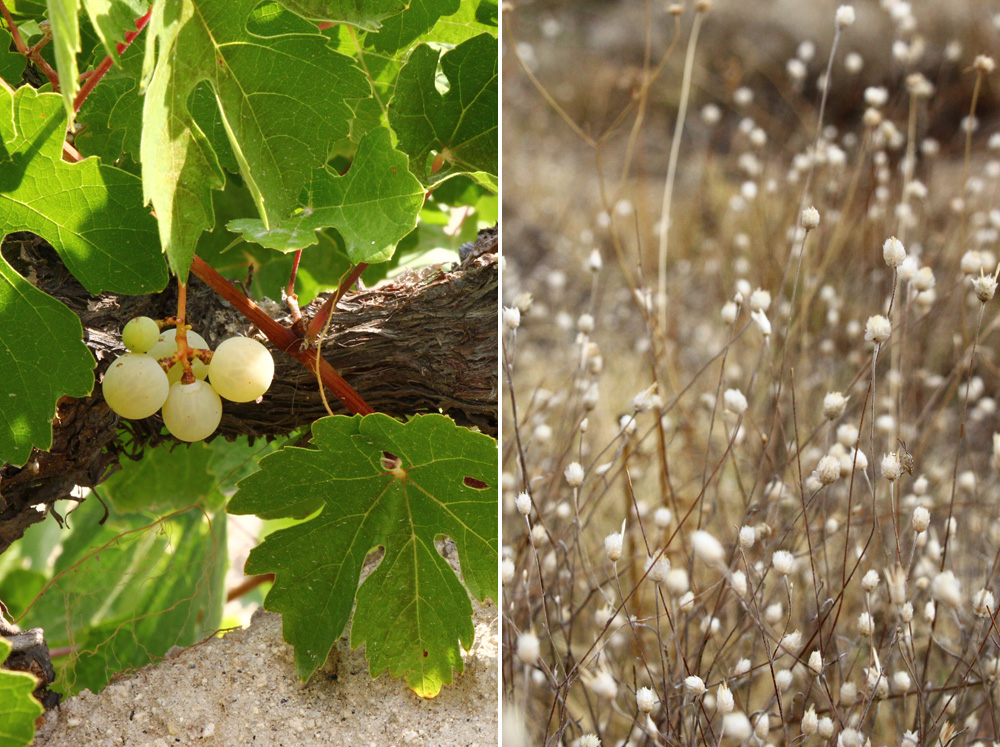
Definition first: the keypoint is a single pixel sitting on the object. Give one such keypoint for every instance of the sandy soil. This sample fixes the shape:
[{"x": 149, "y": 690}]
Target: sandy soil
[{"x": 242, "y": 690}]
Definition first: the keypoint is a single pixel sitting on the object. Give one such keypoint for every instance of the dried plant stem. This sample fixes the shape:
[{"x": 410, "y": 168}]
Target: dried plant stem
[{"x": 660, "y": 302}]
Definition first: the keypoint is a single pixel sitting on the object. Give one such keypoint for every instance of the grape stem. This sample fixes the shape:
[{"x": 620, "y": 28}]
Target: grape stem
[
  {"x": 291, "y": 298},
  {"x": 184, "y": 351},
  {"x": 281, "y": 337},
  {"x": 32, "y": 53}
]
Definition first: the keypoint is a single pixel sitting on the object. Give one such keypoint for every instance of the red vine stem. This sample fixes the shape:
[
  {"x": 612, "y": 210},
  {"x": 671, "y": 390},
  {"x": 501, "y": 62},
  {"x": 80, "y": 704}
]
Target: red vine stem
[
  {"x": 317, "y": 323},
  {"x": 282, "y": 337},
  {"x": 95, "y": 77},
  {"x": 32, "y": 53}
]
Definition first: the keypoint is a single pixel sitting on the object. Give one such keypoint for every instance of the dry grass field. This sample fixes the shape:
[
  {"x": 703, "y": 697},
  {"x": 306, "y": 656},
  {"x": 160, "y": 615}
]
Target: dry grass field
[{"x": 751, "y": 456}]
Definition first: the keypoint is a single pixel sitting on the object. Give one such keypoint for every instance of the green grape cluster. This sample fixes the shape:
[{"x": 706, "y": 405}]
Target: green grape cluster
[{"x": 136, "y": 385}]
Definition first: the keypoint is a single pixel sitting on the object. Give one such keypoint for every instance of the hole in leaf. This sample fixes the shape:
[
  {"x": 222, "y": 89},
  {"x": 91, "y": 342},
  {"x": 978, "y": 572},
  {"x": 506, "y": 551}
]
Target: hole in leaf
[
  {"x": 472, "y": 482},
  {"x": 390, "y": 462}
]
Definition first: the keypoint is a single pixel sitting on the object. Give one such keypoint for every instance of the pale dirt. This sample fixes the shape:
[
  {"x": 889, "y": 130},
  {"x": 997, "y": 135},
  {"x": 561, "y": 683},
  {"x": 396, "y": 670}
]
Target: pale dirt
[{"x": 242, "y": 690}]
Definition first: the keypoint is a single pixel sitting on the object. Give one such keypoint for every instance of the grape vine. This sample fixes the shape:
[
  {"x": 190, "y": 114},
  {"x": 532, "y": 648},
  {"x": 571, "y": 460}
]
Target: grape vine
[{"x": 297, "y": 150}]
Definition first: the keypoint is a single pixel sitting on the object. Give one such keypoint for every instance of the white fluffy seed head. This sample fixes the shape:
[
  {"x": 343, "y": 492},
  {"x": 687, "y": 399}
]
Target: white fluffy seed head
[
  {"x": 783, "y": 678},
  {"x": 695, "y": 685},
  {"x": 602, "y": 684},
  {"x": 893, "y": 252},
  {"x": 594, "y": 262},
  {"x": 816, "y": 662},
  {"x": 735, "y": 401},
  {"x": 901, "y": 681},
  {"x": 848, "y": 693},
  {"x": 613, "y": 544},
  {"x": 741, "y": 667},
  {"x": 828, "y": 469},
  {"x": 825, "y": 727},
  {"x": 984, "y": 64},
  {"x": 782, "y": 562},
  {"x": 760, "y": 300},
  {"x": 663, "y": 517},
  {"x": 984, "y": 603},
  {"x": 891, "y": 468},
  {"x": 736, "y": 727},
  {"x": 947, "y": 589},
  {"x": 834, "y": 404},
  {"x": 739, "y": 582},
  {"x": 511, "y": 318},
  {"x": 708, "y": 548},
  {"x": 748, "y": 535},
  {"x": 877, "y": 329},
  {"x": 845, "y": 16},
  {"x": 762, "y": 322},
  {"x": 809, "y": 218},
  {"x": 729, "y": 312},
  {"x": 921, "y": 519},
  {"x": 985, "y": 286},
  {"x": 660, "y": 570},
  {"x": 895, "y": 579},
  {"x": 762, "y": 726},
  {"x": 574, "y": 474},
  {"x": 528, "y": 648},
  {"x": 869, "y": 581},
  {"x": 523, "y": 503},
  {"x": 865, "y": 624},
  {"x": 810, "y": 721},
  {"x": 645, "y": 699},
  {"x": 507, "y": 570},
  {"x": 724, "y": 700}
]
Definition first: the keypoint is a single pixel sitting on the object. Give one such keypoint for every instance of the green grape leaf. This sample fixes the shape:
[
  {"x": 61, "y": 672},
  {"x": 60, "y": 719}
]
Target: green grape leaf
[
  {"x": 403, "y": 29},
  {"x": 412, "y": 611},
  {"x": 364, "y": 14},
  {"x": 42, "y": 358},
  {"x": 112, "y": 114},
  {"x": 282, "y": 101},
  {"x": 66, "y": 43},
  {"x": 110, "y": 19},
  {"x": 471, "y": 19},
  {"x": 125, "y": 591},
  {"x": 462, "y": 123},
  {"x": 22, "y": 9},
  {"x": 19, "y": 587},
  {"x": 162, "y": 478},
  {"x": 92, "y": 214},
  {"x": 18, "y": 707},
  {"x": 373, "y": 205},
  {"x": 11, "y": 63},
  {"x": 181, "y": 476}
]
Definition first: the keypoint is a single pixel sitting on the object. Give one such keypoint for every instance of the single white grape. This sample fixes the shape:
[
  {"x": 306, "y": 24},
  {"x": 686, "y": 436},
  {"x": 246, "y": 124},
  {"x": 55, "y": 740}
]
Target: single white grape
[
  {"x": 140, "y": 334},
  {"x": 241, "y": 369},
  {"x": 135, "y": 386},
  {"x": 166, "y": 346},
  {"x": 192, "y": 411}
]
